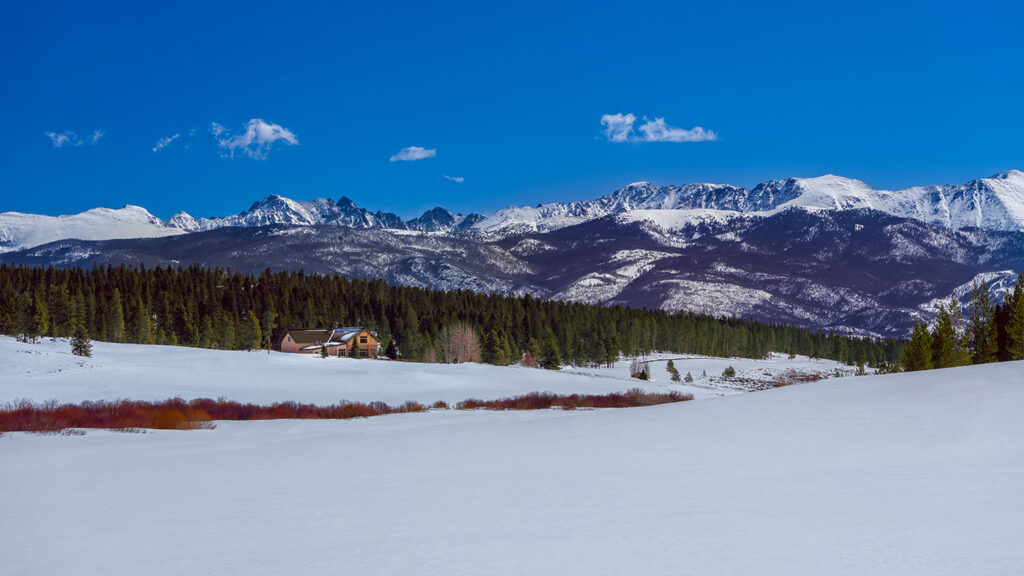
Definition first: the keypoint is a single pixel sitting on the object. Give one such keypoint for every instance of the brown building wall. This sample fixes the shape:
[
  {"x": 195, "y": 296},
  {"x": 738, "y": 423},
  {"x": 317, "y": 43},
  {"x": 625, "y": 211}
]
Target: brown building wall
[{"x": 367, "y": 349}]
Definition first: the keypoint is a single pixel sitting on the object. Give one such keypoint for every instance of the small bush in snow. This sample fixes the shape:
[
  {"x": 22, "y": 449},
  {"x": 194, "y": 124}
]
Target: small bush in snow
[
  {"x": 672, "y": 370},
  {"x": 729, "y": 372}
]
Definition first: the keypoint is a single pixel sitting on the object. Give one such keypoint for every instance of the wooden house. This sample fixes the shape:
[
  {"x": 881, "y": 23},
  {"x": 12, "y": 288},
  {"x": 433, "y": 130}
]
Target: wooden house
[{"x": 339, "y": 341}]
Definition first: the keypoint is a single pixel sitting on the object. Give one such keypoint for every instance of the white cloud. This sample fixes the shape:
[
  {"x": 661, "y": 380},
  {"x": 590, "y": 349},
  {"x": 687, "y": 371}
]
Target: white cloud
[
  {"x": 411, "y": 153},
  {"x": 657, "y": 131},
  {"x": 619, "y": 128},
  {"x": 259, "y": 137},
  {"x": 62, "y": 139},
  {"x": 458, "y": 179},
  {"x": 165, "y": 142}
]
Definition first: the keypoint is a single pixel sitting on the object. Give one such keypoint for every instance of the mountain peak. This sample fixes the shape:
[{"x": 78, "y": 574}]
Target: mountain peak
[
  {"x": 345, "y": 203},
  {"x": 1008, "y": 175}
]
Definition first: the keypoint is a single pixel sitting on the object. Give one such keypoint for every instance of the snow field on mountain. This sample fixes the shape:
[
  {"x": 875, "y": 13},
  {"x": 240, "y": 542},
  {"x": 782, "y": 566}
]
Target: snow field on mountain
[
  {"x": 19, "y": 231},
  {"x": 908, "y": 474},
  {"x": 48, "y": 371}
]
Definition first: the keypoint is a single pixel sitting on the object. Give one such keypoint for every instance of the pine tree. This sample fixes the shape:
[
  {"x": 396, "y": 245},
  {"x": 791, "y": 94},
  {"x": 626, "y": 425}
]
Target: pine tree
[
  {"x": 356, "y": 351},
  {"x": 944, "y": 340},
  {"x": 323, "y": 350},
  {"x": 1015, "y": 331},
  {"x": 267, "y": 329},
  {"x": 80, "y": 344},
  {"x": 59, "y": 303},
  {"x": 23, "y": 316},
  {"x": 390, "y": 350},
  {"x": 688, "y": 378},
  {"x": 40, "y": 318},
  {"x": 918, "y": 354},
  {"x": 961, "y": 350},
  {"x": 250, "y": 334},
  {"x": 672, "y": 370},
  {"x": 114, "y": 321},
  {"x": 550, "y": 356},
  {"x": 497, "y": 350},
  {"x": 981, "y": 325},
  {"x": 142, "y": 325}
]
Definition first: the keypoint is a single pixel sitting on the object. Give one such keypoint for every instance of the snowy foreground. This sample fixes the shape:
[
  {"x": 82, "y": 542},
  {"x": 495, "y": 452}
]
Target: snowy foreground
[
  {"x": 48, "y": 371},
  {"x": 901, "y": 474}
]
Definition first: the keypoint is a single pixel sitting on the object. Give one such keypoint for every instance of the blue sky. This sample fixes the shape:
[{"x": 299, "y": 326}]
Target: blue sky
[{"x": 509, "y": 99}]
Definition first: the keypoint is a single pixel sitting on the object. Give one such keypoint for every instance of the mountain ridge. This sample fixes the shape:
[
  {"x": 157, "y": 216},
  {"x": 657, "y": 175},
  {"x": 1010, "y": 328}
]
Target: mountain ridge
[{"x": 995, "y": 203}]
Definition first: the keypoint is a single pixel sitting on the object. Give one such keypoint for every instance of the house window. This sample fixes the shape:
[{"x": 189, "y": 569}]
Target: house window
[{"x": 362, "y": 339}]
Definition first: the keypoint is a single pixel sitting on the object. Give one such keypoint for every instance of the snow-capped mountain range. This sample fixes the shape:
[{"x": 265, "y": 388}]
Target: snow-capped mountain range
[
  {"x": 995, "y": 203},
  {"x": 827, "y": 252}
]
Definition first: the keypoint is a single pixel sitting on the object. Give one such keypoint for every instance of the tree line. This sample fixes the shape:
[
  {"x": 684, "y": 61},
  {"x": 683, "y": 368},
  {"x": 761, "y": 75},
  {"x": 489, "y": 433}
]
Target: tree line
[
  {"x": 980, "y": 333},
  {"x": 218, "y": 308}
]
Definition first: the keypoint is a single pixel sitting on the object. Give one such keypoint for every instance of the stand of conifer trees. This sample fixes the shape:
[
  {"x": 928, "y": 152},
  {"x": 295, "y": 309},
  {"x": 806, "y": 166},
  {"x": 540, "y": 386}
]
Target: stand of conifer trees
[
  {"x": 980, "y": 334},
  {"x": 216, "y": 308}
]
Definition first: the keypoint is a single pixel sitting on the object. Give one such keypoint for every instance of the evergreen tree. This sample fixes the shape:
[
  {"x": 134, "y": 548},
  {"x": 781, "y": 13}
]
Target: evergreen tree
[
  {"x": 390, "y": 350},
  {"x": 250, "y": 335},
  {"x": 1015, "y": 331},
  {"x": 673, "y": 371},
  {"x": 227, "y": 333},
  {"x": 356, "y": 351},
  {"x": 961, "y": 350},
  {"x": 550, "y": 356},
  {"x": 981, "y": 325},
  {"x": 496, "y": 350},
  {"x": 142, "y": 324},
  {"x": 688, "y": 378},
  {"x": 918, "y": 354},
  {"x": 267, "y": 329},
  {"x": 207, "y": 338},
  {"x": 80, "y": 344},
  {"x": 323, "y": 350},
  {"x": 61, "y": 313},
  {"x": 944, "y": 340},
  {"x": 114, "y": 320},
  {"x": 23, "y": 316},
  {"x": 40, "y": 318}
]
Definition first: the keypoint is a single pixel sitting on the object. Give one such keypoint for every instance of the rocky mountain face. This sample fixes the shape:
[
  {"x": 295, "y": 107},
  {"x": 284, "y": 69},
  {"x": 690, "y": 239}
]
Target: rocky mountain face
[
  {"x": 344, "y": 212},
  {"x": 828, "y": 253}
]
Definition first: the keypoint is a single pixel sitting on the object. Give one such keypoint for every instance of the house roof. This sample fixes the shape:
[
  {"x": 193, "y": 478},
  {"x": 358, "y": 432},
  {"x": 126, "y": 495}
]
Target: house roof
[
  {"x": 309, "y": 336},
  {"x": 317, "y": 336}
]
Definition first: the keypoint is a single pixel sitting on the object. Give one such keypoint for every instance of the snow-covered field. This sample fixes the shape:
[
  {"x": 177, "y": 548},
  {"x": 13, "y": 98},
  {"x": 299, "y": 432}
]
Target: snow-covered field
[
  {"x": 48, "y": 371},
  {"x": 907, "y": 474},
  {"x": 903, "y": 474}
]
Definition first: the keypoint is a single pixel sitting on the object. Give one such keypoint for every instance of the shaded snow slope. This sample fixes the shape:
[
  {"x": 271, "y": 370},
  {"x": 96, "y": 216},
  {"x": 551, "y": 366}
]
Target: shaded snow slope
[
  {"x": 18, "y": 231},
  {"x": 909, "y": 474},
  {"x": 48, "y": 371}
]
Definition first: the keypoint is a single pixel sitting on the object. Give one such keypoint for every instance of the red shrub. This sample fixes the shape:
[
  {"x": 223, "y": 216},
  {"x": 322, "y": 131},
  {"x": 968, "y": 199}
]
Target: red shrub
[
  {"x": 545, "y": 400},
  {"x": 178, "y": 414}
]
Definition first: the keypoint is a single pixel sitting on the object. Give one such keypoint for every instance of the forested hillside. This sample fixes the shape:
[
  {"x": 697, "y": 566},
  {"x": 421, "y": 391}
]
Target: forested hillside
[{"x": 216, "y": 308}]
